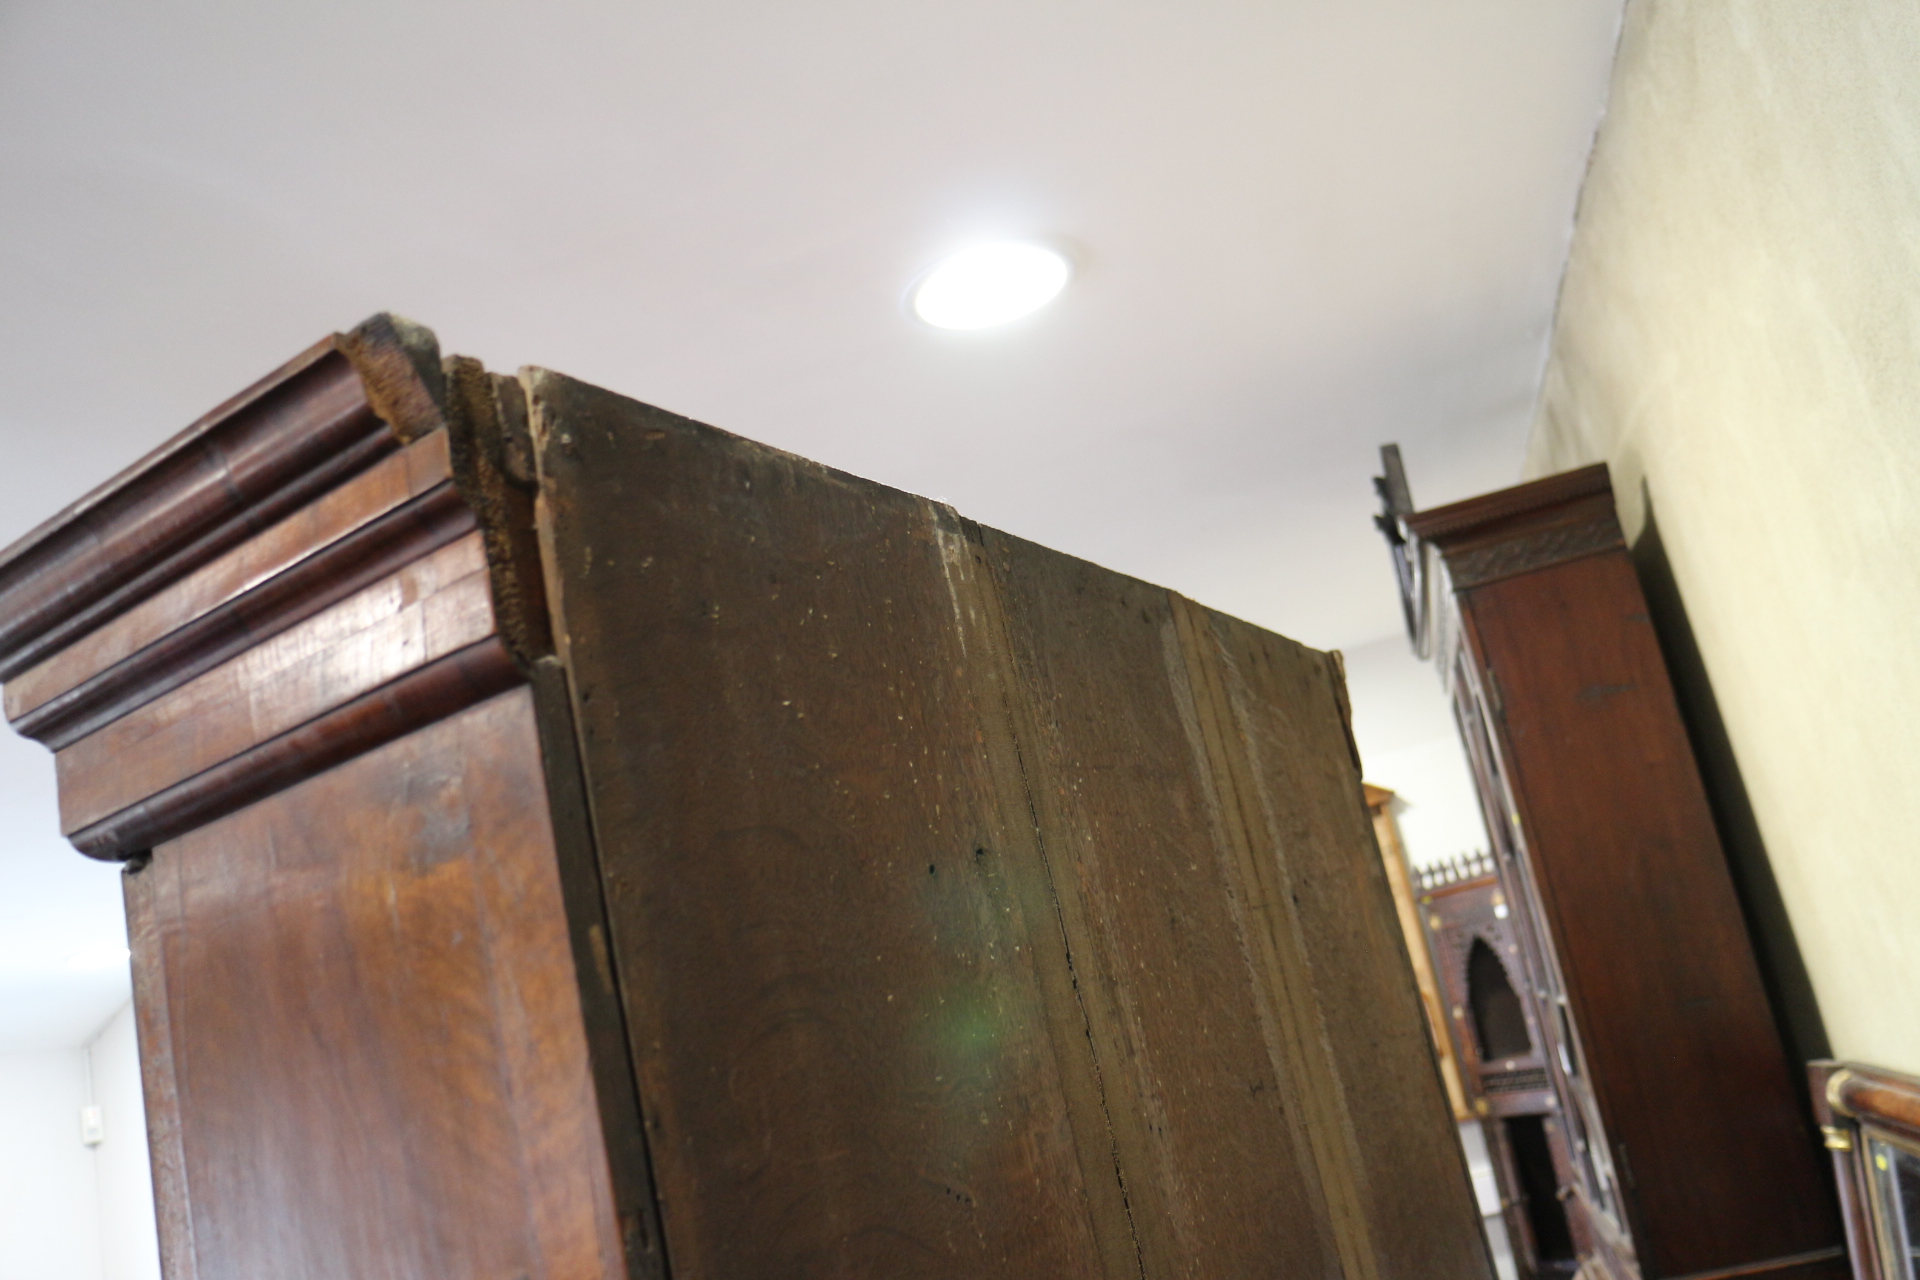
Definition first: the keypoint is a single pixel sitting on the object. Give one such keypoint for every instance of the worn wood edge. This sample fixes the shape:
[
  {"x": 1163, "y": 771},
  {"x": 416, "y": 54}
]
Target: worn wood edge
[
  {"x": 166, "y": 1156},
  {"x": 1023, "y": 793},
  {"x": 603, "y": 1004},
  {"x": 420, "y": 697},
  {"x": 483, "y": 435},
  {"x": 1440, "y": 524},
  {"x": 333, "y": 572},
  {"x": 399, "y": 363},
  {"x": 306, "y": 427},
  {"x": 1276, "y": 949}
]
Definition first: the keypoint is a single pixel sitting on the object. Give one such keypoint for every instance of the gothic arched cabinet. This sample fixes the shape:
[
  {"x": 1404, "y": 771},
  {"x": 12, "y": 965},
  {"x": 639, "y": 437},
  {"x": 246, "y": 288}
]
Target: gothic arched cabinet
[
  {"x": 567, "y": 841},
  {"x": 1692, "y": 1151}
]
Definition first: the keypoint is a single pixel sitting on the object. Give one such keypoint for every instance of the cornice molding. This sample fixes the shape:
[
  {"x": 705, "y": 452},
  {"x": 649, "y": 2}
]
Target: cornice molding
[
  {"x": 1451, "y": 523},
  {"x": 335, "y": 557},
  {"x": 432, "y": 692},
  {"x": 298, "y": 432}
]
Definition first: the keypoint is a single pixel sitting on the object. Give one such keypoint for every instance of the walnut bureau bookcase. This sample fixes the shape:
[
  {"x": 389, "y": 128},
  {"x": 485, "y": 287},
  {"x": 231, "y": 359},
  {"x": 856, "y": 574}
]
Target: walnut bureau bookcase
[
  {"x": 1689, "y": 1150},
  {"x": 567, "y": 841}
]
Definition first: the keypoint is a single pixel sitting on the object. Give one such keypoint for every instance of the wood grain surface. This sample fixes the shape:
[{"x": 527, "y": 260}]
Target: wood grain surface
[
  {"x": 977, "y": 911},
  {"x": 825, "y": 917},
  {"x": 1713, "y": 1144},
  {"x": 360, "y": 502},
  {"x": 837, "y": 889},
  {"x": 361, "y": 1028},
  {"x": 431, "y": 608}
]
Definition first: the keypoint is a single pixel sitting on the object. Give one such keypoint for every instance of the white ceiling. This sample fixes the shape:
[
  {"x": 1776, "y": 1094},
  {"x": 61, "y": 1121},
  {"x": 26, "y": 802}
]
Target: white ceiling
[{"x": 1300, "y": 229}]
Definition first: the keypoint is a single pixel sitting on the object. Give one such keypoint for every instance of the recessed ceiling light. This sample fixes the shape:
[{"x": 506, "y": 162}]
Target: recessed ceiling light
[{"x": 990, "y": 284}]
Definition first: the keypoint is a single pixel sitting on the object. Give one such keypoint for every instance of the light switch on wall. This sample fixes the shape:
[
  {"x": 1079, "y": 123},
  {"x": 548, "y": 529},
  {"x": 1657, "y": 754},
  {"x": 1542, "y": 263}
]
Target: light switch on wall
[{"x": 91, "y": 1130}]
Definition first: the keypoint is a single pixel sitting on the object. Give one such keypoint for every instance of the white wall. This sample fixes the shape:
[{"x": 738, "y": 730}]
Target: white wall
[
  {"x": 1739, "y": 339},
  {"x": 49, "y": 1207},
  {"x": 69, "y": 1211},
  {"x": 1409, "y": 744},
  {"x": 129, "y": 1243}
]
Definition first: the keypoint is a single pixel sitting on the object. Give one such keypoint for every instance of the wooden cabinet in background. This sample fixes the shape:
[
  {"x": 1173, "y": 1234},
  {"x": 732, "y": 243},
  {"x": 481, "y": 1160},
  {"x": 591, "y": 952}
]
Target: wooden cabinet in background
[
  {"x": 1400, "y": 878},
  {"x": 1692, "y": 1152},
  {"x": 1500, "y": 1039},
  {"x": 568, "y": 841}
]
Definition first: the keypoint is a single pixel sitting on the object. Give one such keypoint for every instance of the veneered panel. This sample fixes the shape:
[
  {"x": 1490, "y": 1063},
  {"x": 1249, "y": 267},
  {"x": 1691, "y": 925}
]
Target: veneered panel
[
  {"x": 362, "y": 1029},
  {"x": 366, "y": 497},
  {"x": 429, "y": 609}
]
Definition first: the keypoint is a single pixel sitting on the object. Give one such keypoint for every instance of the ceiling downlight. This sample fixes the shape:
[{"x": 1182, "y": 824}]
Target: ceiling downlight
[{"x": 990, "y": 284}]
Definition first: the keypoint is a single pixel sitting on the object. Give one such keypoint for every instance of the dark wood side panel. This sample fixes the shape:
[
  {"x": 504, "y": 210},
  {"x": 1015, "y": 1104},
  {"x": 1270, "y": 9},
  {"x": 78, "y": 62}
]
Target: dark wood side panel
[
  {"x": 1308, "y": 819},
  {"x": 963, "y": 898},
  {"x": 1216, "y": 1156},
  {"x": 1178, "y": 807},
  {"x": 363, "y": 1032},
  {"x": 844, "y": 981},
  {"x": 1628, "y": 862}
]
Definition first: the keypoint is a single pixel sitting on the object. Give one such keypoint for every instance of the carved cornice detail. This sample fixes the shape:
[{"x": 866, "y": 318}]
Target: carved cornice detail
[
  {"x": 1442, "y": 524},
  {"x": 1476, "y": 566}
]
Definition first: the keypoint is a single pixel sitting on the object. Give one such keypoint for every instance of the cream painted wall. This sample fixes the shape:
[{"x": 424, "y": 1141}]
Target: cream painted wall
[{"x": 1739, "y": 337}]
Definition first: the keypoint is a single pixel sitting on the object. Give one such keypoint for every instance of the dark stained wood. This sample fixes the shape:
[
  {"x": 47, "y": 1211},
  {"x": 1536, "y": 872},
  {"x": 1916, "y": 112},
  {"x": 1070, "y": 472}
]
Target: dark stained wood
[
  {"x": 1684, "y": 1057},
  {"x": 373, "y": 1062},
  {"x": 262, "y": 455},
  {"x": 977, "y": 910},
  {"x": 616, "y": 1086},
  {"x": 838, "y": 889},
  {"x": 1200, "y": 1070},
  {"x": 419, "y": 697},
  {"x": 398, "y": 511},
  {"x": 831, "y": 931},
  {"x": 1840, "y": 1125},
  {"x": 432, "y": 608},
  {"x": 1669, "y": 1060},
  {"x": 1889, "y": 1100},
  {"x": 1524, "y": 506},
  {"x": 1300, "y": 797},
  {"x": 375, "y": 1036}
]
